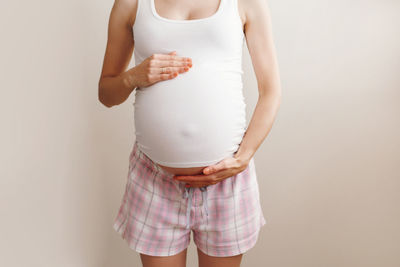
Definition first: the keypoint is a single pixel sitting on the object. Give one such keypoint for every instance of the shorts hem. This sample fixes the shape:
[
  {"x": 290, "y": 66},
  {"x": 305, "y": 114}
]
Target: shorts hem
[
  {"x": 243, "y": 249},
  {"x": 119, "y": 230}
]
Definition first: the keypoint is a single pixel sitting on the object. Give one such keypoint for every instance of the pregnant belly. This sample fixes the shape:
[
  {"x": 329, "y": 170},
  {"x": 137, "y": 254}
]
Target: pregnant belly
[{"x": 192, "y": 121}]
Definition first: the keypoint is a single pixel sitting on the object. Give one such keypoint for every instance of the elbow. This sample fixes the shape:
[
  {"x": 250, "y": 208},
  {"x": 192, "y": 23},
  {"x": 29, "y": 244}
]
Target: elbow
[
  {"x": 272, "y": 98},
  {"x": 106, "y": 104},
  {"x": 271, "y": 95},
  {"x": 279, "y": 99},
  {"x": 102, "y": 98}
]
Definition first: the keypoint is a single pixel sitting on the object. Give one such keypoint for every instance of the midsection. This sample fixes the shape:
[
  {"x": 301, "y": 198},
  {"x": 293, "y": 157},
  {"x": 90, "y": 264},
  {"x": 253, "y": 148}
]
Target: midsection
[{"x": 193, "y": 121}]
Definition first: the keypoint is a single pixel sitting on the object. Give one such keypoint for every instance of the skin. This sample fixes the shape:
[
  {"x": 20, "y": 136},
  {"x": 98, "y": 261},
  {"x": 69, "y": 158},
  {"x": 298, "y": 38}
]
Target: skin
[{"x": 116, "y": 84}]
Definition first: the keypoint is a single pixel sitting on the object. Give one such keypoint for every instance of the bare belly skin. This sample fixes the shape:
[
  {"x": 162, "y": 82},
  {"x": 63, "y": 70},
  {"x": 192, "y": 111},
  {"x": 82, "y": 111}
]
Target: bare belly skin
[{"x": 183, "y": 171}]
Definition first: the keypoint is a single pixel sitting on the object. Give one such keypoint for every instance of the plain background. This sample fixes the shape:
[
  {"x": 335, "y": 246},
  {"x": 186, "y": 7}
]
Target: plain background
[{"x": 328, "y": 171}]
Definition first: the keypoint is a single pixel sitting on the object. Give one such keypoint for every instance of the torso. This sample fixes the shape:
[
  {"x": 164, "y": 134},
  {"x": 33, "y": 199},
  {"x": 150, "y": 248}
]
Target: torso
[{"x": 158, "y": 107}]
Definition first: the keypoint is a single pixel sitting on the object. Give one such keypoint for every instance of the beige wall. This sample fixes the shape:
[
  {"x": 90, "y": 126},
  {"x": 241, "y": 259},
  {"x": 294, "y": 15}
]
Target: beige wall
[{"x": 327, "y": 171}]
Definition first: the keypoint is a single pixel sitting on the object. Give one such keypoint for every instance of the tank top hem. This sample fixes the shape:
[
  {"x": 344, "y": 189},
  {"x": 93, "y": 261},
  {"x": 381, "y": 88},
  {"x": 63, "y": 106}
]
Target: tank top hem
[{"x": 185, "y": 164}]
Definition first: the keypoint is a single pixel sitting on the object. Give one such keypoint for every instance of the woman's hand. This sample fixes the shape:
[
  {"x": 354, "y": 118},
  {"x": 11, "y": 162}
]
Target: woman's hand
[
  {"x": 213, "y": 174},
  {"x": 159, "y": 67}
]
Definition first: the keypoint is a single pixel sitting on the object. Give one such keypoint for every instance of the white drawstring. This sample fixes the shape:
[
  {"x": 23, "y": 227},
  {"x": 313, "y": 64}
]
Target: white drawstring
[
  {"x": 204, "y": 197},
  {"x": 189, "y": 206},
  {"x": 189, "y": 194}
]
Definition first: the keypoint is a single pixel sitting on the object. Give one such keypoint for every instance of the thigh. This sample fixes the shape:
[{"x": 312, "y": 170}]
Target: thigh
[
  {"x": 234, "y": 218},
  {"x": 211, "y": 261},
  {"x": 151, "y": 217},
  {"x": 177, "y": 260}
]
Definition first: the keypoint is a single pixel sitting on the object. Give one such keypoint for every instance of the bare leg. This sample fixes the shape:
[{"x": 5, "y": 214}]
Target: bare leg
[
  {"x": 210, "y": 261},
  {"x": 178, "y": 260}
]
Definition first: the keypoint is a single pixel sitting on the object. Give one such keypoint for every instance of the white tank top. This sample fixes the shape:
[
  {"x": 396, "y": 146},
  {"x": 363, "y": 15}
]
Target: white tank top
[{"x": 197, "y": 118}]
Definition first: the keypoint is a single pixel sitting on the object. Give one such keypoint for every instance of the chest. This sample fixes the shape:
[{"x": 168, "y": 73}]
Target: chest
[
  {"x": 186, "y": 10},
  {"x": 211, "y": 30}
]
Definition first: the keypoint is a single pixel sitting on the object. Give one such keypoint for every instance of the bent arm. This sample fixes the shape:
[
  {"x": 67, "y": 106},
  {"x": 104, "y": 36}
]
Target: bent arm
[
  {"x": 116, "y": 84},
  {"x": 259, "y": 40}
]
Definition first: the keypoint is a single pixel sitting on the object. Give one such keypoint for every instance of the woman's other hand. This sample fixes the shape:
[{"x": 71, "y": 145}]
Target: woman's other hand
[{"x": 213, "y": 174}]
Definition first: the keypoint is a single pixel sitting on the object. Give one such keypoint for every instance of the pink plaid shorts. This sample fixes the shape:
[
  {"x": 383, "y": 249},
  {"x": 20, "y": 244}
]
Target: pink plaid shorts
[{"x": 158, "y": 213}]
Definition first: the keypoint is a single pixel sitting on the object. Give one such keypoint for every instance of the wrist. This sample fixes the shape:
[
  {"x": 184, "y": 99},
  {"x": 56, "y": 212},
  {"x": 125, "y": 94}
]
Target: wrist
[
  {"x": 243, "y": 158},
  {"x": 129, "y": 80}
]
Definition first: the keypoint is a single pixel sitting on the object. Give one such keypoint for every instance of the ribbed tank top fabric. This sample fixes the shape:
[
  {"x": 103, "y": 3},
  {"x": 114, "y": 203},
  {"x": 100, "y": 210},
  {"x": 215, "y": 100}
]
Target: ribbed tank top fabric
[{"x": 197, "y": 118}]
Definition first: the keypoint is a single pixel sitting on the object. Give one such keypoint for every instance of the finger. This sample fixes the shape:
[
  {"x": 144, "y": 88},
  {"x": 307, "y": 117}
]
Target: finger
[
  {"x": 215, "y": 168},
  {"x": 155, "y": 63},
  {"x": 166, "y": 70},
  {"x": 160, "y": 77},
  {"x": 164, "y": 67},
  {"x": 193, "y": 178},
  {"x": 174, "y": 63},
  {"x": 168, "y": 76},
  {"x": 201, "y": 181},
  {"x": 170, "y": 57}
]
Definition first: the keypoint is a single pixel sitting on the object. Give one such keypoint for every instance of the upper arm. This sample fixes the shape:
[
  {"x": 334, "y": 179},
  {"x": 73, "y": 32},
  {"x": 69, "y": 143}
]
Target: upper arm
[
  {"x": 259, "y": 40},
  {"x": 120, "y": 41}
]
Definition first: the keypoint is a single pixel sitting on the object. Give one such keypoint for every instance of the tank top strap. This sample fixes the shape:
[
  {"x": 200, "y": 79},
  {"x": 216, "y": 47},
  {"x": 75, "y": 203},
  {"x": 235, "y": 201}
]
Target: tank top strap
[
  {"x": 230, "y": 10},
  {"x": 143, "y": 10},
  {"x": 230, "y": 5}
]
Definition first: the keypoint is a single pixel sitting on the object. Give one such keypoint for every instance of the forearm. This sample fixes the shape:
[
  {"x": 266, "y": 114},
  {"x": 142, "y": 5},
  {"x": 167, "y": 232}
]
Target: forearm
[
  {"x": 259, "y": 127},
  {"x": 114, "y": 90}
]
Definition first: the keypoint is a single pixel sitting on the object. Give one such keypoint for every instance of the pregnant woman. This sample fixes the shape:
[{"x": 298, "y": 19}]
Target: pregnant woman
[{"x": 191, "y": 167}]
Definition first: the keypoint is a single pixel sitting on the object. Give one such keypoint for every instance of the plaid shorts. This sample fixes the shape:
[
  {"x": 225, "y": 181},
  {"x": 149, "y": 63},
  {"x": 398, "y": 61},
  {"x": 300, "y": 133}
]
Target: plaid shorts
[{"x": 158, "y": 213}]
